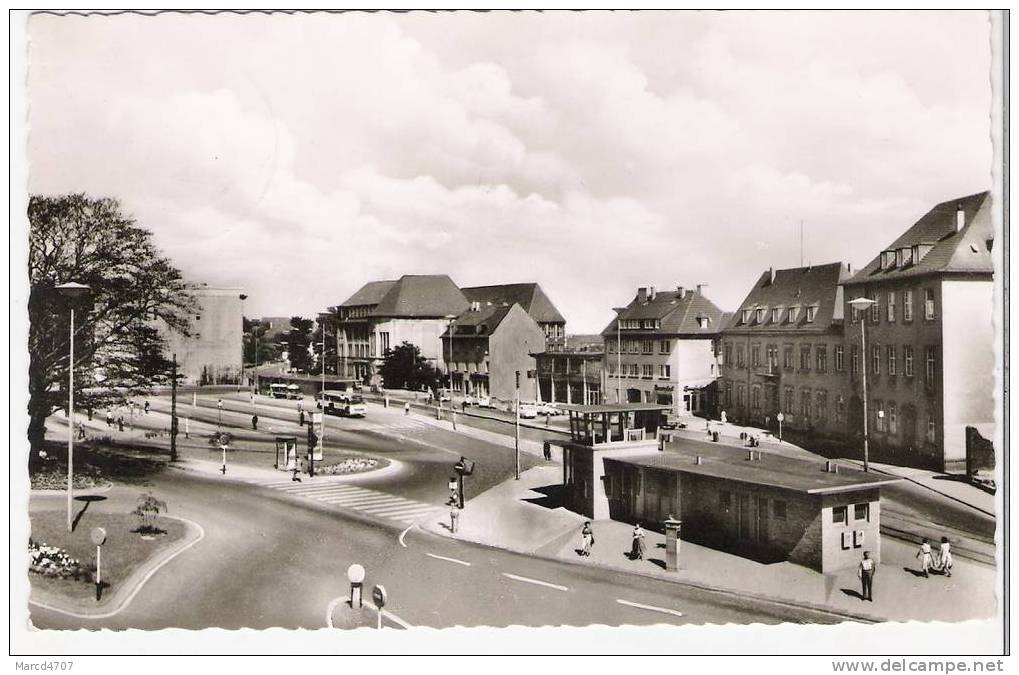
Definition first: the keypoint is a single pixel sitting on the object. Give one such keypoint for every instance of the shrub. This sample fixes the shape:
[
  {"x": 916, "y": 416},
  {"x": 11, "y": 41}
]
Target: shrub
[
  {"x": 147, "y": 512},
  {"x": 51, "y": 561}
]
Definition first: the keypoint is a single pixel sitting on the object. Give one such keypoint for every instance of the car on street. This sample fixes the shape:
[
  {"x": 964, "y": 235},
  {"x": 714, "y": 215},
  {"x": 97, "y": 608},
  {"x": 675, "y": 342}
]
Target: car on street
[
  {"x": 528, "y": 411},
  {"x": 549, "y": 409},
  {"x": 483, "y": 402}
]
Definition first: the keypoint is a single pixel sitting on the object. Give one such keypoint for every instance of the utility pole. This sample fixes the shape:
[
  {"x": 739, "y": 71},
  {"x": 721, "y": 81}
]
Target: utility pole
[
  {"x": 516, "y": 426},
  {"x": 173, "y": 411}
]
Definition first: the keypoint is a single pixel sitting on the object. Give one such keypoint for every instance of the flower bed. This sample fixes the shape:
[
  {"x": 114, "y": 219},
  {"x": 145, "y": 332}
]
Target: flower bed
[
  {"x": 351, "y": 465},
  {"x": 52, "y": 561},
  {"x": 86, "y": 477}
]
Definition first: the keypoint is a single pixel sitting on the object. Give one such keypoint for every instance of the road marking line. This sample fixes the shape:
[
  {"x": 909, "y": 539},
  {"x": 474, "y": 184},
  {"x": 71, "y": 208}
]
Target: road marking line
[
  {"x": 328, "y": 490},
  {"x": 452, "y": 560},
  {"x": 404, "y": 534},
  {"x": 392, "y": 507},
  {"x": 309, "y": 487},
  {"x": 412, "y": 513},
  {"x": 360, "y": 501},
  {"x": 417, "y": 517},
  {"x": 535, "y": 581},
  {"x": 405, "y": 508},
  {"x": 650, "y": 608}
]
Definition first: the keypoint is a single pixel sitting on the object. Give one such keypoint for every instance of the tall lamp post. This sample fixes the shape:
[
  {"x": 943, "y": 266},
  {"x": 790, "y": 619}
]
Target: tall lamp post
[
  {"x": 619, "y": 353},
  {"x": 72, "y": 292},
  {"x": 243, "y": 297},
  {"x": 862, "y": 305}
]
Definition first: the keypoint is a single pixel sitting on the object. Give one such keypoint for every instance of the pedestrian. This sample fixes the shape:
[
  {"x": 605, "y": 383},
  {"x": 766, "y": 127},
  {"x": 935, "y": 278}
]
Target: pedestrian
[
  {"x": 120, "y": 423},
  {"x": 294, "y": 466},
  {"x": 866, "y": 574},
  {"x": 546, "y": 448},
  {"x": 146, "y": 407},
  {"x": 254, "y": 422},
  {"x": 109, "y": 418},
  {"x": 926, "y": 557},
  {"x": 743, "y": 437},
  {"x": 454, "y": 418},
  {"x": 547, "y": 418},
  {"x": 586, "y": 539},
  {"x": 406, "y": 408},
  {"x": 81, "y": 431},
  {"x": 639, "y": 546},
  {"x": 300, "y": 417},
  {"x": 463, "y": 405},
  {"x": 454, "y": 516},
  {"x": 945, "y": 557},
  {"x": 90, "y": 413},
  {"x": 723, "y": 417},
  {"x": 300, "y": 406}
]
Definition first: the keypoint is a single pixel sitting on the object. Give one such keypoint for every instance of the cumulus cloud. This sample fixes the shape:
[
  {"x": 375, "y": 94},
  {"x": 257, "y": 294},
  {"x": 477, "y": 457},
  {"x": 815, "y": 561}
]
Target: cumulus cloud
[{"x": 300, "y": 156}]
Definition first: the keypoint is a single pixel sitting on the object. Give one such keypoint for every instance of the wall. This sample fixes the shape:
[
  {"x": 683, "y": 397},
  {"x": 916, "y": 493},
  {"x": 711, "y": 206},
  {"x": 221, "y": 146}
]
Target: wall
[
  {"x": 426, "y": 334},
  {"x": 834, "y": 555},
  {"x": 968, "y": 362},
  {"x": 215, "y": 346},
  {"x": 510, "y": 347}
]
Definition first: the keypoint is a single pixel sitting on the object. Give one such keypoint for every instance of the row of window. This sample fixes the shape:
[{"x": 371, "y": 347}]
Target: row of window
[
  {"x": 776, "y": 315},
  {"x": 779, "y": 508},
  {"x": 646, "y": 371},
  {"x": 640, "y": 324},
  {"x": 888, "y": 355},
  {"x": 469, "y": 367},
  {"x": 811, "y": 357},
  {"x": 640, "y": 346},
  {"x": 890, "y": 308},
  {"x": 840, "y": 514}
]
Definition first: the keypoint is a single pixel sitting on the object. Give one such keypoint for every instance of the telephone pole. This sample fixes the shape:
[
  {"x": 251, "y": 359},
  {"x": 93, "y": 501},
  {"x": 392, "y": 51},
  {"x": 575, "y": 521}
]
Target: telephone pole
[{"x": 173, "y": 411}]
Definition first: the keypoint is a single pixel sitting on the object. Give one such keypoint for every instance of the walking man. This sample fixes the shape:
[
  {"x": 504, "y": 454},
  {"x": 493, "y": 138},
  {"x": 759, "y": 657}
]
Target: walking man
[
  {"x": 109, "y": 418},
  {"x": 866, "y": 573},
  {"x": 120, "y": 423},
  {"x": 454, "y": 515},
  {"x": 546, "y": 448},
  {"x": 300, "y": 417},
  {"x": 639, "y": 546},
  {"x": 254, "y": 422},
  {"x": 406, "y": 408},
  {"x": 146, "y": 407}
]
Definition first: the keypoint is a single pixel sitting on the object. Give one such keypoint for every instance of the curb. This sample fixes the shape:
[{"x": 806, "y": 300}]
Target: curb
[
  {"x": 393, "y": 466},
  {"x": 77, "y": 493},
  {"x": 856, "y": 463},
  {"x": 134, "y": 583}
]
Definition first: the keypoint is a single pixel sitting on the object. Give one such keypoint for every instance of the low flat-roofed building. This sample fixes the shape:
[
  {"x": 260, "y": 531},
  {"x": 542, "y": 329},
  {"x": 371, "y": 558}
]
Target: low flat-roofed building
[{"x": 771, "y": 507}]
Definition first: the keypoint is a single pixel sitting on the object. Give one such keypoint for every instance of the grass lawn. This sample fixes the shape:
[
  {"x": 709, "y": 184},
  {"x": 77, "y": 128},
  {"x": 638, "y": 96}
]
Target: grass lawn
[{"x": 123, "y": 552}]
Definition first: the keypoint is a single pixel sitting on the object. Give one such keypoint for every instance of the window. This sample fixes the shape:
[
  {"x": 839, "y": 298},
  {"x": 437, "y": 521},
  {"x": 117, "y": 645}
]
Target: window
[
  {"x": 794, "y": 313},
  {"x": 776, "y": 314},
  {"x": 647, "y": 346},
  {"x": 724, "y": 500},
  {"x": 772, "y": 358},
  {"x": 634, "y": 346},
  {"x": 879, "y": 416},
  {"x": 875, "y": 359},
  {"x": 861, "y": 512},
  {"x": 893, "y": 418},
  {"x": 839, "y": 354},
  {"x": 384, "y": 339},
  {"x": 810, "y": 314},
  {"x": 755, "y": 355},
  {"x": 892, "y": 365},
  {"x": 647, "y": 371},
  {"x": 890, "y": 305},
  {"x": 805, "y": 405},
  {"x": 854, "y": 359},
  {"x": 611, "y": 344},
  {"x": 665, "y": 371},
  {"x": 760, "y": 315},
  {"x": 728, "y": 354},
  {"x": 789, "y": 400},
  {"x": 728, "y": 394},
  {"x": 778, "y": 509},
  {"x": 663, "y": 346},
  {"x": 907, "y": 305},
  {"x": 745, "y": 318},
  {"x": 932, "y": 429},
  {"x": 907, "y": 358},
  {"x": 928, "y": 304},
  {"x": 741, "y": 396},
  {"x": 839, "y": 515},
  {"x": 875, "y": 309},
  {"x": 887, "y": 260},
  {"x": 741, "y": 359},
  {"x": 840, "y": 410},
  {"x": 805, "y": 357},
  {"x": 932, "y": 363},
  {"x": 821, "y": 358},
  {"x": 755, "y": 398},
  {"x": 787, "y": 357},
  {"x": 821, "y": 405},
  {"x": 634, "y": 370}
]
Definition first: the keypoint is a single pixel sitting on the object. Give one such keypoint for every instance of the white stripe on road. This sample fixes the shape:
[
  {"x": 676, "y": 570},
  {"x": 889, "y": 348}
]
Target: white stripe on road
[
  {"x": 328, "y": 490},
  {"x": 406, "y": 509},
  {"x": 650, "y": 608},
  {"x": 535, "y": 581},
  {"x": 452, "y": 560},
  {"x": 394, "y": 506},
  {"x": 356, "y": 502},
  {"x": 404, "y": 534},
  {"x": 297, "y": 487}
]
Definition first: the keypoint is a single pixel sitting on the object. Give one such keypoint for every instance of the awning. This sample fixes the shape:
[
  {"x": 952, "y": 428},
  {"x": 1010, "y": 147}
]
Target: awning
[{"x": 693, "y": 385}]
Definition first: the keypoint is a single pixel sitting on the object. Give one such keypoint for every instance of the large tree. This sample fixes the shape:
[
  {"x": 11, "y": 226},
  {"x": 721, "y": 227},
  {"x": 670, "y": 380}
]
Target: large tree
[
  {"x": 403, "y": 367},
  {"x": 254, "y": 337},
  {"x": 298, "y": 341},
  {"x": 136, "y": 294},
  {"x": 327, "y": 321}
]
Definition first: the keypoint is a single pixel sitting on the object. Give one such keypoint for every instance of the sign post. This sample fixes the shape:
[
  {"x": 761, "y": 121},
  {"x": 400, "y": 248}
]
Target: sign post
[
  {"x": 98, "y": 537},
  {"x": 379, "y": 598},
  {"x": 781, "y": 418},
  {"x": 355, "y": 575}
]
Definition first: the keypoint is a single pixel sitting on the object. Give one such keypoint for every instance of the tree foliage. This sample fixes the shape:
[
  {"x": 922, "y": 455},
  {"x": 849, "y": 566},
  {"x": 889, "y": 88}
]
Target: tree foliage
[
  {"x": 403, "y": 367},
  {"x": 298, "y": 341},
  {"x": 254, "y": 337},
  {"x": 329, "y": 323},
  {"x": 136, "y": 293}
]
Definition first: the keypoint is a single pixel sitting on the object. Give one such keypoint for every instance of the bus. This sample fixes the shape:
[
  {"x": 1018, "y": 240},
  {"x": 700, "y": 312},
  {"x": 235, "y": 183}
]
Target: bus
[
  {"x": 288, "y": 391},
  {"x": 342, "y": 403}
]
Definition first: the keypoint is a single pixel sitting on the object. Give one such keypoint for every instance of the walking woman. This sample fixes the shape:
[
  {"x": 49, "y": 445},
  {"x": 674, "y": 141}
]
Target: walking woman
[
  {"x": 926, "y": 557},
  {"x": 586, "y": 539},
  {"x": 639, "y": 547},
  {"x": 945, "y": 561}
]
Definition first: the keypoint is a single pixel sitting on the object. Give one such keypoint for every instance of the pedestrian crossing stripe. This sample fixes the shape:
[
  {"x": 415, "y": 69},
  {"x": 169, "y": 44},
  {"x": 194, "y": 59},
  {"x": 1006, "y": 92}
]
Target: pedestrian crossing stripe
[{"x": 371, "y": 502}]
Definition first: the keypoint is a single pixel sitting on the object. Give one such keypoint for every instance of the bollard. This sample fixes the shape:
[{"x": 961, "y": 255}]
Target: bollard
[{"x": 672, "y": 527}]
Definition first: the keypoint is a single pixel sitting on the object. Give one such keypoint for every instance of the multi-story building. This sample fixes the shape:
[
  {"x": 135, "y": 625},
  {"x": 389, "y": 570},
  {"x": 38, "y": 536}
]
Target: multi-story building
[
  {"x": 383, "y": 314},
  {"x": 783, "y": 352},
  {"x": 487, "y": 345},
  {"x": 929, "y": 336},
  {"x": 572, "y": 372},
  {"x": 276, "y": 327},
  {"x": 532, "y": 299},
  {"x": 662, "y": 348},
  {"x": 212, "y": 354}
]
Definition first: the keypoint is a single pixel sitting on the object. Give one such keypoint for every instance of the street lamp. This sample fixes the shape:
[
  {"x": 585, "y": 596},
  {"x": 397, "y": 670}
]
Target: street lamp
[
  {"x": 72, "y": 292},
  {"x": 450, "y": 319},
  {"x": 861, "y": 305},
  {"x": 243, "y": 297},
  {"x": 619, "y": 353}
]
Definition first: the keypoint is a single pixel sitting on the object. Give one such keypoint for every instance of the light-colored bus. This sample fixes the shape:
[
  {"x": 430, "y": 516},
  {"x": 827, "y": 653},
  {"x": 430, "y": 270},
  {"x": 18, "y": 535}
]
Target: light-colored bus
[
  {"x": 342, "y": 403},
  {"x": 289, "y": 391}
]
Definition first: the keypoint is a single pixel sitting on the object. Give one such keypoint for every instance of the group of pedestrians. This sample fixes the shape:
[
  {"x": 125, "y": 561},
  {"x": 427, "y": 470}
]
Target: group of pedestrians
[
  {"x": 930, "y": 561},
  {"x": 638, "y": 549}
]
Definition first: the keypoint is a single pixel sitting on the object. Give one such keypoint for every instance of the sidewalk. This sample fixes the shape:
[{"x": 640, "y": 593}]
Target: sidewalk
[
  {"x": 953, "y": 487},
  {"x": 523, "y": 516}
]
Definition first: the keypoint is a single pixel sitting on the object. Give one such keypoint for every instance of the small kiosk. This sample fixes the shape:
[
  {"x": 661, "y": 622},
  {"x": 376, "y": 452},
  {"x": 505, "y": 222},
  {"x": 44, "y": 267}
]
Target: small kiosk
[{"x": 287, "y": 447}]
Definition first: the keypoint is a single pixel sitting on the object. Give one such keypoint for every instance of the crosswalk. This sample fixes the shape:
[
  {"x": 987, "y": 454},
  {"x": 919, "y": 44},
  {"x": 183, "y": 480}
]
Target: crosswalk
[{"x": 369, "y": 502}]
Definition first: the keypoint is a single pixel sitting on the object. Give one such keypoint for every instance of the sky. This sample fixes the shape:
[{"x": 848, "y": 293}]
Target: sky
[{"x": 300, "y": 156}]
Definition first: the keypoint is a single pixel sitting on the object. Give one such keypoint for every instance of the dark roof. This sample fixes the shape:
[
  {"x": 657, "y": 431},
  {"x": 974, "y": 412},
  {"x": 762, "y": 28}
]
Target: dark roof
[
  {"x": 369, "y": 294},
  {"x": 610, "y": 408},
  {"x": 487, "y": 318},
  {"x": 965, "y": 251},
  {"x": 678, "y": 312},
  {"x": 817, "y": 286},
  {"x": 591, "y": 343},
  {"x": 529, "y": 296},
  {"x": 773, "y": 470},
  {"x": 425, "y": 296}
]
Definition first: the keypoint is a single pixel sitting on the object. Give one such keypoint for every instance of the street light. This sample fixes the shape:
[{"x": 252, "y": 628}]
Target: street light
[
  {"x": 861, "y": 305},
  {"x": 72, "y": 292},
  {"x": 619, "y": 354},
  {"x": 243, "y": 297},
  {"x": 450, "y": 319}
]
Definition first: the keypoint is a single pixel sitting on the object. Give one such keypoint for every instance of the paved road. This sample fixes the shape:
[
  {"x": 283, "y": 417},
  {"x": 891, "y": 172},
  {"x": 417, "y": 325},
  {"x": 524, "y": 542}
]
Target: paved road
[{"x": 271, "y": 560}]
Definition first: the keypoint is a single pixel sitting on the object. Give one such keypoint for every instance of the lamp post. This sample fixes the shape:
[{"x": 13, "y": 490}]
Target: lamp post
[
  {"x": 72, "y": 291},
  {"x": 243, "y": 297},
  {"x": 450, "y": 320},
  {"x": 619, "y": 353},
  {"x": 861, "y": 305}
]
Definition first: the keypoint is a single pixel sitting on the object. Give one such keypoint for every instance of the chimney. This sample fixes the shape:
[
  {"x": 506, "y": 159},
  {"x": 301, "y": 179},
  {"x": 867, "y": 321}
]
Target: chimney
[
  {"x": 680, "y": 291},
  {"x": 771, "y": 275},
  {"x": 960, "y": 218},
  {"x": 651, "y": 293},
  {"x": 699, "y": 286},
  {"x": 642, "y": 294},
  {"x": 699, "y": 460}
]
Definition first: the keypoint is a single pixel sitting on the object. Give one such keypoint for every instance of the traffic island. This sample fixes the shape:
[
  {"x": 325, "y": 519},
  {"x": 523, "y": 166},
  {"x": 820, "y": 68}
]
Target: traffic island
[{"x": 62, "y": 569}]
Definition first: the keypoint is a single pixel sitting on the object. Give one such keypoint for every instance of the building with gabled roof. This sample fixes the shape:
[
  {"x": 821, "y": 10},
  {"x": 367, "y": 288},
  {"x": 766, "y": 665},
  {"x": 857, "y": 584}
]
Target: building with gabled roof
[
  {"x": 930, "y": 337},
  {"x": 662, "y": 348},
  {"x": 783, "y": 352},
  {"x": 531, "y": 298}
]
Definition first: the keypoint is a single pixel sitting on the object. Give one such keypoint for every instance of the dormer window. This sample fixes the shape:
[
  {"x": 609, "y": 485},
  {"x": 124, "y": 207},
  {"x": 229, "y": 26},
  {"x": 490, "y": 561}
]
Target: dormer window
[
  {"x": 811, "y": 311},
  {"x": 794, "y": 313},
  {"x": 776, "y": 314},
  {"x": 745, "y": 316},
  {"x": 887, "y": 260},
  {"x": 704, "y": 321},
  {"x": 760, "y": 315}
]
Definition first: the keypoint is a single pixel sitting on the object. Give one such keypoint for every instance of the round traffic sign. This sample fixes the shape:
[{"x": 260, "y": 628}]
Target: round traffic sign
[
  {"x": 780, "y": 417},
  {"x": 355, "y": 573},
  {"x": 379, "y": 596},
  {"x": 98, "y": 536}
]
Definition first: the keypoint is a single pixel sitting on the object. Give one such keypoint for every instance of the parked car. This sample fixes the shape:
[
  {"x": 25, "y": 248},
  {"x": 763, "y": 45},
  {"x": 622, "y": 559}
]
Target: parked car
[
  {"x": 470, "y": 400},
  {"x": 444, "y": 395},
  {"x": 528, "y": 411},
  {"x": 549, "y": 409},
  {"x": 483, "y": 402}
]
